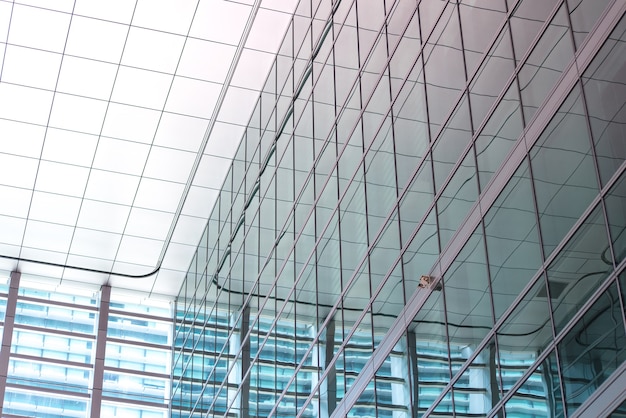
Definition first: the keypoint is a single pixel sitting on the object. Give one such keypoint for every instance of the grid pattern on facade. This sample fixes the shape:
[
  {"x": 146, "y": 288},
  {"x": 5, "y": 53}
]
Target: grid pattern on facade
[
  {"x": 380, "y": 127},
  {"x": 73, "y": 355}
]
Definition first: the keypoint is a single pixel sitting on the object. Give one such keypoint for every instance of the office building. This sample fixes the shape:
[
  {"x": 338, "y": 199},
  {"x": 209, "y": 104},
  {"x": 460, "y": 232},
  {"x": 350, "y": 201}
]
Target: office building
[
  {"x": 425, "y": 218},
  {"x": 392, "y": 208}
]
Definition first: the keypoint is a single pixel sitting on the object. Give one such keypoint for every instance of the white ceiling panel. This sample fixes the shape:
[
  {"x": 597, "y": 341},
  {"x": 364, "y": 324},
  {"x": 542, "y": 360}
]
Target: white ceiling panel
[
  {"x": 59, "y": 141},
  {"x": 96, "y": 39},
  {"x": 77, "y": 113},
  {"x": 121, "y": 156},
  {"x": 152, "y": 50},
  {"x": 112, "y": 187},
  {"x": 25, "y": 104},
  {"x": 193, "y": 97},
  {"x": 133, "y": 123},
  {"x": 31, "y": 67},
  {"x": 12, "y": 230},
  {"x": 98, "y": 244},
  {"x": 63, "y": 179},
  {"x": 18, "y": 171},
  {"x": 181, "y": 132},
  {"x": 169, "y": 164},
  {"x": 105, "y": 108},
  {"x": 86, "y": 77},
  {"x": 158, "y": 195},
  {"x": 225, "y": 139},
  {"x": 165, "y": 15},
  {"x": 141, "y": 87},
  {"x": 205, "y": 60},
  {"x": 115, "y": 10},
  {"x": 102, "y": 216},
  {"x": 25, "y": 18},
  {"x": 212, "y": 171},
  {"x": 148, "y": 223},
  {"x": 54, "y": 208},
  {"x": 15, "y": 201},
  {"x": 142, "y": 251},
  {"x": 200, "y": 201},
  {"x": 21, "y": 138},
  {"x": 252, "y": 70},
  {"x": 48, "y": 236},
  {"x": 220, "y": 21}
]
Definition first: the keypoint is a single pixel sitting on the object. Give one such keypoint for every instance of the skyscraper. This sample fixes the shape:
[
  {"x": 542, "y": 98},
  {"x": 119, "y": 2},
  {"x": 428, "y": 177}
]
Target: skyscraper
[{"x": 425, "y": 216}]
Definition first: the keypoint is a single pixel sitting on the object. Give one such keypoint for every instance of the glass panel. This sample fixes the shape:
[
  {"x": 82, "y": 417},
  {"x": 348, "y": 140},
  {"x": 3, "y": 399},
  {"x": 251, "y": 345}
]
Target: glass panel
[
  {"x": 583, "y": 15},
  {"x": 615, "y": 202},
  {"x": 512, "y": 240},
  {"x": 604, "y": 83},
  {"x": 579, "y": 269},
  {"x": 592, "y": 349},
  {"x": 563, "y": 170},
  {"x": 526, "y": 22},
  {"x": 540, "y": 395}
]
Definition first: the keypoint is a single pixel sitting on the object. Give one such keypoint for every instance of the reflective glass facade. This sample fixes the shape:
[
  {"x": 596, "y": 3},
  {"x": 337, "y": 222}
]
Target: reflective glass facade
[
  {"x": 86, "y": 355},
  {"x": 425, "y": 218}
]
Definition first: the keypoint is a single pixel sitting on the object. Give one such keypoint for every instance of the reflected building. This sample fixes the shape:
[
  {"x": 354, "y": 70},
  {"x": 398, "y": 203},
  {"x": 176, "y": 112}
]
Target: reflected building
[{"x": 425, "y": 217}]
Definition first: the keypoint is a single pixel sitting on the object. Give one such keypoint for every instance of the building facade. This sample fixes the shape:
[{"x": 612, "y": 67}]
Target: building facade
[{"x": 425, "y": 217}]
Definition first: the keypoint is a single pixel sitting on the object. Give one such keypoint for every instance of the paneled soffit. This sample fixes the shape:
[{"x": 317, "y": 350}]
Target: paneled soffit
[{"x": 118, "y": 121}]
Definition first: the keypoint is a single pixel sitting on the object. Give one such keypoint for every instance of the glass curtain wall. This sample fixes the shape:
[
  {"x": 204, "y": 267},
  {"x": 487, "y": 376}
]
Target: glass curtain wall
[
  {"x": 381, "y": 132},
  {"x": 53, "y": 346}
]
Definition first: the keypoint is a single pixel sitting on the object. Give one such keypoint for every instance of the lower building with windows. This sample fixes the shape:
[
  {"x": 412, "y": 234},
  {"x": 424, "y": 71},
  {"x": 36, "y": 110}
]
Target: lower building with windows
[{"x": 425, "y": 217}]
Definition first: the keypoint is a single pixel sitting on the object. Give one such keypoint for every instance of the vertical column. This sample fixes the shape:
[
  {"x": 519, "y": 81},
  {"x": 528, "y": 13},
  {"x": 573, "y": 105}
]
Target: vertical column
[
  {"x": 331, "y": 379},
  {"x": 101, "y": 341},
  {"x": 245, "y": 364},
  {"x": 7, "y": 333},
  {"x": 413, "y": 372}
]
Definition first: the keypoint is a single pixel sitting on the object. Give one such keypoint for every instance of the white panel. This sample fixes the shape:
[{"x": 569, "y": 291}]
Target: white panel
[
  {"x": 5, "y": 17},
  {"x": 211, "y": 172},
  {"x": 17, "y": 171},
  {"x": 200, "y": 201},
  {"x": 60, "y": 5},
  {"x": 21, "y": 138},
  {"x": 168, "y": 282},
  {"x": 87, "y": 262},
  {"x": 25, "y": 18},
  {"x": 149, "y": 223},
  {"x": 61, "y": 178},
  {"x": 11, "y": 251},
  {"x": 189, "y": 230},
  {"x": 47, "y": 236},
  {"x": 159, "y": 195},
  {"x": 111, "y": 187},
  {"x": 134, "y": 270},
  {"x": 86, "y": 77},
  {"x": 96, "y": 39},
  {"x": 181, "y": 132},
  {"x": 121, "y": 156},
  {"x": 131, "y": 122},
  {"x": 58, "y": 141},
  {"x": 25, "y": 104},
  {"x": 15, "y": 201},
  {"x": 12, "y": 230},
  {"x": 252, "y": 69},
  {"x": 193, "y": 97},
  {"x": 77, "y": 113},
  {"x": 268, "y": 30},
  {"x": 31, "y": 67},
  {"x": 165, "y": 15},
  {"x": 95, "y": 243},
  {"x": 286, "y": 6},
  {"x": 49, "y": 207},
  {"x": 169, "y": 164},
  {"x": 108, "y": 217},
  {"x": 206, "y": 60},
  {"x": 178, "y": 257},
  {"x": 141, "y": 88},
  {"x": 139, "y": 251},
  {"x": 115, "y": 10},
  {"x": 225, "y": 139},
  {"x": 238, "y": 106},
  {"x": 220, "y": 21},
  {"x": 152, "y": 50}
]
